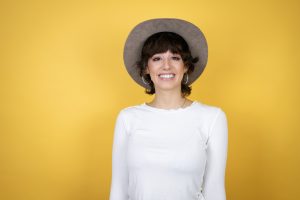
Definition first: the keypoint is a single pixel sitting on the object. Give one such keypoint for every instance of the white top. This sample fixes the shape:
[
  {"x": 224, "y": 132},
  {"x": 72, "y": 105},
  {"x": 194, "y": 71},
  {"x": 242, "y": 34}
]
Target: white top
[{"x": 169, "y": 154}]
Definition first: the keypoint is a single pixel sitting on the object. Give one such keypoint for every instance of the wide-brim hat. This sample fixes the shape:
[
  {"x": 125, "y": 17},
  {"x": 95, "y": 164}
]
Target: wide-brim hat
[{"x": 191, "y": 34}]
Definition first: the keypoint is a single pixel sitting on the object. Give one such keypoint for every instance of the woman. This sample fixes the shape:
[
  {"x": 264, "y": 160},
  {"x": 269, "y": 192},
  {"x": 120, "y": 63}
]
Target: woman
[{"x": 171, "y": 148}]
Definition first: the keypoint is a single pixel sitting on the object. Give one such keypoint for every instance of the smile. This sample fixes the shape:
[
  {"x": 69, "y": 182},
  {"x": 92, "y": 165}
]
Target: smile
[{"x": 166, "y": 76}]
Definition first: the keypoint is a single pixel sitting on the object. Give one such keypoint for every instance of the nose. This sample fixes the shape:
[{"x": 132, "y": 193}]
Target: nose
[{"x": 166, "y": 64}]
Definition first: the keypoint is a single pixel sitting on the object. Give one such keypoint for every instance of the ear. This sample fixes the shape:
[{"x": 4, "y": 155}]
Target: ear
[
  {"x": 185, "y": 69},
  {"x": 147, "y": 70}
]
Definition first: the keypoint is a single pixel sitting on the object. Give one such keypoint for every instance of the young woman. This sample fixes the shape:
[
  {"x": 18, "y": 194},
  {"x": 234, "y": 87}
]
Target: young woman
[{"x": 171, "y": 148}]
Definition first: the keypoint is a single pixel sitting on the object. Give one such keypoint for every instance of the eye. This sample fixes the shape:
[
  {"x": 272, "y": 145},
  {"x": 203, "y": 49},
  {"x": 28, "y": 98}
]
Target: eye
[
  {"x": 156, "y": 58},
  {"x": 176, "y": 57}
]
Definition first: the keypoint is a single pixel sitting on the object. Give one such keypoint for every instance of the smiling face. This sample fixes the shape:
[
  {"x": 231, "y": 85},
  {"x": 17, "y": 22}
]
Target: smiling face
[
  {"x": 165, "y": 53},
  {"x": 166, "y": 70}
]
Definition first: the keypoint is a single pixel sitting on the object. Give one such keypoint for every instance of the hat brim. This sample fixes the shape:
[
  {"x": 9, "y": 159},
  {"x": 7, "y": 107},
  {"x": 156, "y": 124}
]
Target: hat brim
[{"x": 191, "y": 33}]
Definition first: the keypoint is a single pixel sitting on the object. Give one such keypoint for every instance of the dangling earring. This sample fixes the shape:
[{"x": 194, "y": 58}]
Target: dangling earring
[
  {"x": 187, "y": 79},
  {"x": 146, "y": 83}
]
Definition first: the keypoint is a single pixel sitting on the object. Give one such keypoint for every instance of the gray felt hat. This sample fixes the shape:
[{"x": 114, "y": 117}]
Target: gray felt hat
[{"x": 136, "y": 38}]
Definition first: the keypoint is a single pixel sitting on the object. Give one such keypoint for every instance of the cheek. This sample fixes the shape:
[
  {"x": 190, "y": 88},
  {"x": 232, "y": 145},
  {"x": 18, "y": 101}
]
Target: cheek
[
  {"x": 151, "y": 71},
  {"x": 181, "y": 68},
  {"x": 152, "y": 68}
]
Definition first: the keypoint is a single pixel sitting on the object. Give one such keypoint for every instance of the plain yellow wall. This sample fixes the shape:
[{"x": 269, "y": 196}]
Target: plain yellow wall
[{"x": 63, "y": 82}]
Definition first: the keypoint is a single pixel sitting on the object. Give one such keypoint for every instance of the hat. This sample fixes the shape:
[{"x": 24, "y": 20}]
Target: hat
[{"x": 139, "y": 34}]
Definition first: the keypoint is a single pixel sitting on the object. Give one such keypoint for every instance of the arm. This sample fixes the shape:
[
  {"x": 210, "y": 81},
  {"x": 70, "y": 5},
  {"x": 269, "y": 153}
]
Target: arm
[
  {"x": 119, "y": 181},
  {"x": 214, "y": 178}
]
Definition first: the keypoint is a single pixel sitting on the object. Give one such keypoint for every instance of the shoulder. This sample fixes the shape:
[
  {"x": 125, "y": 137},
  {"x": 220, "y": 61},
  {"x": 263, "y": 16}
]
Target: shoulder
[
  {"x": 208, "y": 109},
  {"x": 130, "y": 112},
  {"x": 211, "y": 115},
  {"x": 215, "y": 117}
]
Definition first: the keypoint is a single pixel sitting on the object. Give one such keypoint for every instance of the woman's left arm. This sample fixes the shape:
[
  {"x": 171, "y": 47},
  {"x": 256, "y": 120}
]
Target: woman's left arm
[{"x": 214, "y": 178}]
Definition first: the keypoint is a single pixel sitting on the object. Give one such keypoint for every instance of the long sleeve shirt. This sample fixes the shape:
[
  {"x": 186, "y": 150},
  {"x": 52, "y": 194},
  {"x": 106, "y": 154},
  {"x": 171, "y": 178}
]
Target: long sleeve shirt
[{"x": 169, "y": 154}]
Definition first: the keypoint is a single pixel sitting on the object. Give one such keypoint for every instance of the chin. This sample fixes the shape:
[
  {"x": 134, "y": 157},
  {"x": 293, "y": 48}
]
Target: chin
[{"x": 168, "y": 87}]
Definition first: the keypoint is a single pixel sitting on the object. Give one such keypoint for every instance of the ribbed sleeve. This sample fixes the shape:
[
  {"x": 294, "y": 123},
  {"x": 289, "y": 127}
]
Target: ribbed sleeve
[
  {"x": 214, "y": 178},
  {"x": 119, "y": 181}
]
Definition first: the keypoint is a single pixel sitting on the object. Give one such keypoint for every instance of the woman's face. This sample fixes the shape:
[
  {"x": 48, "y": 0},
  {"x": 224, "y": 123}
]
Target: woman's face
[{"x": 166, "y": 71}]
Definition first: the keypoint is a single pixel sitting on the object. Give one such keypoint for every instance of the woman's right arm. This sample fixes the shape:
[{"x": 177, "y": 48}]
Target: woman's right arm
[{"x": 119, "y": 180}]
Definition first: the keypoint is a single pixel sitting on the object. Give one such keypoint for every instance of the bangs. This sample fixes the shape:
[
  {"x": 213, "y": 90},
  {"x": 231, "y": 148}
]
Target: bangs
[{"x": 162, "y": 42}]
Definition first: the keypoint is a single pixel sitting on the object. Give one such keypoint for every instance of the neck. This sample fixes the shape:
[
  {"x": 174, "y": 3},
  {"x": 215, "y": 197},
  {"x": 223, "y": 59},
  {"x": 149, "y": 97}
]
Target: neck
[{"x": 168, "y": 99}]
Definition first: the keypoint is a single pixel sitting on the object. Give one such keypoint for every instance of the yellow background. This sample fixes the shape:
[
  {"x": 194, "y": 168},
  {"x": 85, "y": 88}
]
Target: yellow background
[{"x": 63, "y": 82}]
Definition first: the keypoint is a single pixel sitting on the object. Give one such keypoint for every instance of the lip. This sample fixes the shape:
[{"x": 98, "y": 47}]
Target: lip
[{"x": 166, "y": 73}]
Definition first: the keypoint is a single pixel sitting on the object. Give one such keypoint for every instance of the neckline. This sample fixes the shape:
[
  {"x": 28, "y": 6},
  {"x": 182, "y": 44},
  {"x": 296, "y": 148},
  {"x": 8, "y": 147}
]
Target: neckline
[{"x": 169, "y": 110}]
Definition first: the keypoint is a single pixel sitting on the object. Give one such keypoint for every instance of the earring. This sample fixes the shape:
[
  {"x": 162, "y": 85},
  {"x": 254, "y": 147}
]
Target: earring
[
  {"x": 146, "y": 83},
  {"x": 187, "y": 79}
]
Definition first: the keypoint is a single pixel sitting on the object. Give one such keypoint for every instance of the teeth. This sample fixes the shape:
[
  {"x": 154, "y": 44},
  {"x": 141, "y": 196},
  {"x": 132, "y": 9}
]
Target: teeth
[{"x": 166, "y": 75}]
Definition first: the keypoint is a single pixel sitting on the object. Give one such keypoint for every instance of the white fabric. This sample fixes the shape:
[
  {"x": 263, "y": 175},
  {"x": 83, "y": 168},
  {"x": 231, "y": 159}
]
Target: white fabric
[{"x": 169, "y": 154}]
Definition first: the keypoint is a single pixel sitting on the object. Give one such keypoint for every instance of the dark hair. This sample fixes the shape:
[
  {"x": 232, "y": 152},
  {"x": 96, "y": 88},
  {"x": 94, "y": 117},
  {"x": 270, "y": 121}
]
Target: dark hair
[{"x": 162, "y": 42}]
